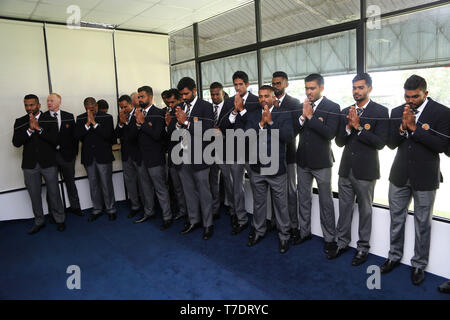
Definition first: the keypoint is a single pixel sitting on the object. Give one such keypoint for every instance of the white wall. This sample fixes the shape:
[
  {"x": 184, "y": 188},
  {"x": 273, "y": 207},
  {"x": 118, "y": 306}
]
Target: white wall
[{"x": 81, "y": 63}]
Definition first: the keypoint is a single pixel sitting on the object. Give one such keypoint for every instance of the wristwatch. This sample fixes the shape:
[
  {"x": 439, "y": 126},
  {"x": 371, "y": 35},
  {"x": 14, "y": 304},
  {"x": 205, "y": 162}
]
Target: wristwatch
[{"x": 359, "y": 128}]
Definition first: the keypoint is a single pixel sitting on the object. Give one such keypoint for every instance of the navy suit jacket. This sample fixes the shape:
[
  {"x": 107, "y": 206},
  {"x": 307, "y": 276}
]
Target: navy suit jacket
[
  {"x": 281, "y": 122},
  {"x": 96, "y": 143},
  {"x": 361, "y": 150},
  {"x": 68, "y": 144},
  {"x": 292, "y": 107},
  {"x": 417, "y": 159},
  {"x": 314, "y": 148}
]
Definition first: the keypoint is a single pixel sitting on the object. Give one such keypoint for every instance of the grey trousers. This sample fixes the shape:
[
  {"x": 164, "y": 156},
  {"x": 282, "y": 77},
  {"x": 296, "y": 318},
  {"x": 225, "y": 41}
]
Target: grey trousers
[
  {"x": 158, "y": 178},
  {"x": 349, "y": 188},
  {"x": 399, "y": 200},
  {"x": 178, "y": 189},
  {"x": 304, "y": 185},
  {"x": 67, "y": 168},
  {"x": 214, "y": 180},
  {"x": 237, "y": 175},
  {"x": 292, "y": 194},
  {"x": 130, "y": 177},
  {"x": 33, "y": 182},
  {"x": 278, "y": 189},
  {"x": 197, "y": 192},
  {"x": 101, "y": 187},
  {"x": 147, "y": 190}
]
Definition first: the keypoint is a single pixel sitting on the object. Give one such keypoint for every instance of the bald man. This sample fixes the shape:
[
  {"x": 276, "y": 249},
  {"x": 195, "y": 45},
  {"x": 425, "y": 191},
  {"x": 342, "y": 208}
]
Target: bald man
[{"x": 66, "y": 150}]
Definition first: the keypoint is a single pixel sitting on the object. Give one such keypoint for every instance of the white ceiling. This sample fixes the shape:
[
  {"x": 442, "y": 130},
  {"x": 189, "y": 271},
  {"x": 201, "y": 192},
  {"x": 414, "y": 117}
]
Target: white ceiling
[{"x": 163, "y": 16}]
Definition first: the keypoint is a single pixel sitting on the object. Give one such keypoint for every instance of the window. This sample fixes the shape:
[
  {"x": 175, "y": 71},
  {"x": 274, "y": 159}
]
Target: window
[
  {"x": 285, "y": 17},
  {"x": 180, "y": 71},
  {"x": 181, "y": 44},
  {"x": 232, "y": 29},
  {"x": 391, "y": 6}
]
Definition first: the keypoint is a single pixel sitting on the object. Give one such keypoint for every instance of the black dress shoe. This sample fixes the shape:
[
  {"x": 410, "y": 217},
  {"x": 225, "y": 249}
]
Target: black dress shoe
[
  {"x": 93, "y": 217},
  {"x": 61, "y": 227},
  {"x": 253, "y": 241},
  {"x": 234, "y": 220},
  {"x": 166, "y": 225},
  {"x": 417, "y": 276},
  {"x": 336, "y": 252},
  {"x": 388, "y": 265},
  {"x": 178, "y": 216},
  {"x": 36, "y": 229},
  {"x": 188, "y": 228},
  {"x": 112, "y": 216},
  {"x": 239, "y": 228},
  {"x": 132, "y": 213},
  {"x": 284, "y": 246},
  {"x": 300, "y": 239},
  {"x": 252, "y": 233},
  {"x": 295, "y": 234},
  {"x": 329, "y": 246},
  {"x": 216, "y": 216},
  {"x": 359, "y": 258},
  {"x": 208, "y": 233},
  {"x": 445, "y": 287},
  {"x": 143, "y": 219},
  {"x": 75, "y": 211}
]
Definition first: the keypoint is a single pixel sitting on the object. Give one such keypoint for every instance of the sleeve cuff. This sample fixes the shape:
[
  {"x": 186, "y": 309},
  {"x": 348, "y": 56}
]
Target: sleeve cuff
[
  {"x": 349, "y": 132},
  {"x": 30, "y": 133},
  {"x": 96, "y": 125},
  {"x": 87, "y": 128},
  {"x": 243, "y": 112}
]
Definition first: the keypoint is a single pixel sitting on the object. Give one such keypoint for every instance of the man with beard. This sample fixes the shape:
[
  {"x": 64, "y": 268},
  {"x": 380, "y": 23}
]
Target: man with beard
[
  {"x": 417, "y": 130},
  {"x": 270, "y": 119},
  {"x": 317, "y": 125},
  {"x": 95, "y": 129},
  {"x": 125, "y": 131},
  {"x": 67, "y": 149},
  {"x": 38, "y": 134},
  {"x": 363, "y": 131},
  {"x": 194, "y": 175},
  {"x": 291, "y": 106},
  {"x": 173, "y": 99},
  {"x": 237, "y": 107},
  {"x": 220, "y": 113},
  {"x": 150, "y": 125}
]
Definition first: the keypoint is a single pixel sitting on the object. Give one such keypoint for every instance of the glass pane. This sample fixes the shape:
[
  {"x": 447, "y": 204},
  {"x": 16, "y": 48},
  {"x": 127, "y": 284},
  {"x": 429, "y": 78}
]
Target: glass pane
[
  {"x": 232, "y": 29},
  {"x": 181, "y": 44},
  {"x": 222, "y": 70},
  {"x": 414, "y": 40},
  {"x": 386, "y": 6},
  {"x": 328, "y": 55},
  {"x": 180, "y": 71},
  {"x": 388, "y": 91},
  {"x": 286, "y": 17}
]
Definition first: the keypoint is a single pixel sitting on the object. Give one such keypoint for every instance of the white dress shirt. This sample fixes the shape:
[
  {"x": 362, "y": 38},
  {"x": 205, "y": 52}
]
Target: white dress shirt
[
  {"x": 316, "y": 103},
  {"x": 349, "y": 132},
  {"x": 32, "y": 131}
]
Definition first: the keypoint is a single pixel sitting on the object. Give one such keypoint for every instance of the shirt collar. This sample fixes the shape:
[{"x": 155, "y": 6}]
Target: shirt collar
[
  {"x": 245, "y": 97},
  {"x": 148, "y": 108},
  {"x": 316, "y": 103},
  {"x": 282, "y": 98},
  {"x": 39, "y": 114},
  {"x": 220, "y": 105},
  {"x": 422, "y": 106},
  {"x": 52, "y": 113},
  {"x": 270, "y": 110},
  {"x": 364, "y": 106},
  {"x": 193, "y": 101}
]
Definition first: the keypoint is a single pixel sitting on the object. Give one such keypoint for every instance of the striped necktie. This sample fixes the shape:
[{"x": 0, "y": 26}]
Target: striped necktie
[
  {"x": 216, "y": 107},
  {"x": 359, "y": 111},
  {"x": 188, "y": 109}
]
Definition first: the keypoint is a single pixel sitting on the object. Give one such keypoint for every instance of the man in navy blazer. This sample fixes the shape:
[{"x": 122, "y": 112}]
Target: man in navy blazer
[
  {"x": 418, "y": 131},
  {"x": 317, "y": 125},
  {"x": 236, "y": 108},
  {"x": 66, "y": 150},
  {"x": 194, "y": 171},
  {"x": 95, "y": 130},
  {"x": 364, "y": 130},
  {"x": 268, "y": 120}
]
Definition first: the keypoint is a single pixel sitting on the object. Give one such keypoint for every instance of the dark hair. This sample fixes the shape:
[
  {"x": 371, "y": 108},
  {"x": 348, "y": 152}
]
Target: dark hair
[
  {"x": 315, "y": 77},
  {"x": 216, "y": 85},
  {"x": 186, "y": 82},
  {"x": 173, "y": 93},
  {"x": 280, "y": 74},
  {"x": 164, "y": 94},
  {"x": 102, "y": 104},
  {"x": 89, "y": 100},
  {"x": 266, "y": 87},
  {"x": 146, "y": 89},
  {"x": 31, "y": 96},
  {"x": 415, "y": 82},
  {"x": 363, "y": 76},
  {"x": 240, "y": 75},
  {"x": 226, "y": 96},
  {"x": 126, "y": 98}
]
